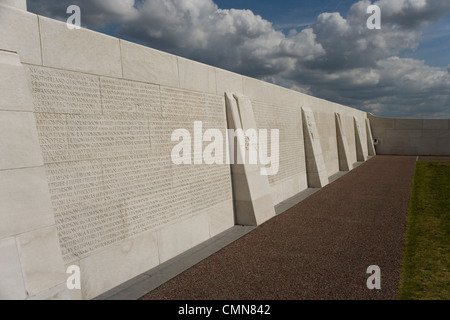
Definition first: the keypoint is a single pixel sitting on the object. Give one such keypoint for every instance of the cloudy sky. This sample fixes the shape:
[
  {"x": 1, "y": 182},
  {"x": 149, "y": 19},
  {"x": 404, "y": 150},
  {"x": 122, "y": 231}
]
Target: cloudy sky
[{"x": 321, "y": 47}]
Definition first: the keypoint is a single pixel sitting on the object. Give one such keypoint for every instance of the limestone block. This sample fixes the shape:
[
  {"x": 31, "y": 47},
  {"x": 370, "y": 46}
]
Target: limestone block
[
  {"x": 252, "y": 194},
  {"x": 149, "y": 65},
  {"x": 229, "y": 81},
  {"x": 314, "y": 181},
  {"x": 426, "y": 150},
  {"x": 443, "y": 146},
  {"x": 343, "y": 148},
  {"x": 263, "y": 91},
  {"x": 57, "y": 293},
  {"x": 176, "y": 238},
  {"x": 41, "y": 259},
  {"x": 25, "y": 201},
  {"x": 19, "y": 140},
  {"x": 277, "y": 192},
  {"x": 264, "y": 208},
  {"x": 277, "y": 95},
  {"x": 380, "y": 125},
  {"x": 302, "y": 182},
  {"x": 290, "y": 187},
  {"x": 19, "y": 32},
  {"x": 245, "y": 211},
  {"x": 403, "y": 149},
  {"x": 258, "y": 184},
  {"x": 221, "y": 217},
  {"x": 15, "y": 95},
  {"x": 11, "y": 280},
  {"x": 408, "y": 124},
  {"x": 436, "y": 133},
  {"x": 246, "y": 112},
  {"x": 348, "y": 129},
  {"x": 400, "y": 133},
  {"x": 79, "y": 50},
  {"x": 437, "y": 144},
  {"x": 64, "y": 92},
  {"x": 420, "y": 141},
  {"x": 255, "y": 89},
  {"x": 124, "y": 97},
  {"x": 20, "y": 4},
  {"x": 435, "y": 124},
  {"x": 360, "y": 155},
  {"x": 393, "y": 142},
  {"x": 241, "y": 190},
  {"x": 370, "y": 142},
  {"x": 316, "y": 169},
  {"x": 289, "y": 97},
  {"x": 118, "y": 263},
  {"x": 74, "y": 294},
  {"x": 196, "y": 76}
]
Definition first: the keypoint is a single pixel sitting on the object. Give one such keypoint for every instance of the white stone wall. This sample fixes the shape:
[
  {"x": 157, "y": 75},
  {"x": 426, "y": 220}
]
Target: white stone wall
[
  {"x": 31, "y": 263},
  {"x": 411, "y": 136},
  {"x": 101, "y": 113},
  {"x": 20, "y": 4}
]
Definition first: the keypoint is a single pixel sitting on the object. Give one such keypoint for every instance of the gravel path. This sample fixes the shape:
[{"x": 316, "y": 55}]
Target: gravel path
[{"x": 319, "y": 249}]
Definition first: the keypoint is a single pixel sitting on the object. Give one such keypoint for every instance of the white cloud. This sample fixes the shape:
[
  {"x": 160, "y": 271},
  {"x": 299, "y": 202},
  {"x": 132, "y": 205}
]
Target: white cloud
[
  {"x": 336, "y": 58},
  {"x": 413, "y": 13}
]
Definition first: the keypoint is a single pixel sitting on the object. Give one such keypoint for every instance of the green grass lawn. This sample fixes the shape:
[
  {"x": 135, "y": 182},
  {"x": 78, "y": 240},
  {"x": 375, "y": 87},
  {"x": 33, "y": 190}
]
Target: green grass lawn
[{"x": 426, "y": 262}]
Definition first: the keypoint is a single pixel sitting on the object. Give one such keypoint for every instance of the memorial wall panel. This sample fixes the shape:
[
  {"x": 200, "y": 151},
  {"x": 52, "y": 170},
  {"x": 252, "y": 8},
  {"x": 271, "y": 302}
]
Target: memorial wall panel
[
  {"x": 107, "y": 151},
  {"x": 287, "y": 119}
]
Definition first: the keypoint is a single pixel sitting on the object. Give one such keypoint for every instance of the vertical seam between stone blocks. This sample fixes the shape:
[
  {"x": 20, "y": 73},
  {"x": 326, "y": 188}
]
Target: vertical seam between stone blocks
[
  {"x": 40, "y": 39},
  {"x": 157, "y": 233},
  {"x": 178, "y": 72},
  {"x": 102, "y": 164},
  {"x": 210, "y": 222},
  {"x": 149, "y": 135},
  {"x": 217, "y": 91},
  {"x": 101, "y": 95},
  {"x": 21, "y": 267},
  {"x": 149, "y": 120},
  {"x": 121, "y": 57},
  {"x": 69, "y": 156},
  {"x": 215, "y": 81},
  {"x": 242, "y": 83},
  {"x": 226, "y": 155},
  {"x": 160, "y": 101}
]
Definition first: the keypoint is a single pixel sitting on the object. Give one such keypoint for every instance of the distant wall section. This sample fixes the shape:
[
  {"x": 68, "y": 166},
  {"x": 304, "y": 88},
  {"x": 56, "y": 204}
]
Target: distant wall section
[{"x": 411, "y": 136}]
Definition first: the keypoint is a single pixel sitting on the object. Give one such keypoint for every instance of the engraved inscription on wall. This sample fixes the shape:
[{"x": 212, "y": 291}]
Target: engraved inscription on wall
[
  {"x": 57, "y": 91},
  {"x": 106, "y": 145},
  {"x": 287, "y": 120}
]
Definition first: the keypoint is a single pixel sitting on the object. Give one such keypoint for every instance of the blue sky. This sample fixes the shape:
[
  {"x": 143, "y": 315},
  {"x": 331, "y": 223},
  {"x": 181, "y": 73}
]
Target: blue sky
[
  {"x": 321, "y": 47},
  {"x": 289, "y": 14},
  {"x": 434, "y": 46}
]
